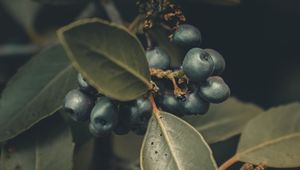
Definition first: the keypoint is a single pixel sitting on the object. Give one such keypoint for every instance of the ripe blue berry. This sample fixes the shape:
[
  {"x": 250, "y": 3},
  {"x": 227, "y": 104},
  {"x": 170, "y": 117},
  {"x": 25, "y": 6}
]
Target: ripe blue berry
[
  {"x": 214, "y": 90},
  {"x": 104, "y": 117},
  {"x": 122, "y": 127},
  {"x": 158, "y": 58},
  {"x": 78, "y": 105},
  {"x": 187, "y": 36},
  {"x": 136, "y": 114},
  {"x": 172, "y": 104},
  {"x": 198, "y": 65},
  {"x": 195, "y": 105},
  {"x": 219, "y": 61}
]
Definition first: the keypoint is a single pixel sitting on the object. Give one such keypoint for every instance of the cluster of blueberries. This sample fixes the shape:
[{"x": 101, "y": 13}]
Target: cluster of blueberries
[{"x": 202, "y": 68}]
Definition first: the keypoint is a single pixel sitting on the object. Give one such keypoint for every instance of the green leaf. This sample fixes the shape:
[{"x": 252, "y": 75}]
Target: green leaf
[
  {"x": 160, "y": 36},
  {"x": 273, "y": 138},
  {"x": 171, "y": 143},
  {"x": 35, "y": 91},
  {"x": 224, "y": 120},
  {"x": 45, "y": 147},
  {"x": 220, "y": 2},
  {"x": 108, "y": 56},
  {"x": 61, "y": 2}
]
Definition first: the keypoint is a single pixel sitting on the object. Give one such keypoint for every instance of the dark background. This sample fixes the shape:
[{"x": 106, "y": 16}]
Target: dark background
[{"x": 260, "y": 40}]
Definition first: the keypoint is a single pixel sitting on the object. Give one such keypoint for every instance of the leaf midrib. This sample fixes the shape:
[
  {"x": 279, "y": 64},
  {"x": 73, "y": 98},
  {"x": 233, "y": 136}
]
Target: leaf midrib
[
  {"x": 267, "y": 143},
  {"x": 42, "y": 91},
  {"x": 162, "y": 126}
]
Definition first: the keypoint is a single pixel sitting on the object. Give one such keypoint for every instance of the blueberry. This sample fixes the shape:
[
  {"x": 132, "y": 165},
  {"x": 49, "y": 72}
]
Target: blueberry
[
  {"x": 84, "y": 86},
  {"x": 195, "y": 105},
  {"x": 219, "y": 61},
  {"x": 78, "y": 104},
  {"x": 158, "y": 58},
  {"x": 172, "y": 104},
  {"x": 122, "y": 128},
  {"x": 214, "y": 90},
  {"x": 104, "y": 117},
  {"x": 187, "y": 36},
  {"x": 198, "y": 65},
  {"x": 137, "y": 114}
]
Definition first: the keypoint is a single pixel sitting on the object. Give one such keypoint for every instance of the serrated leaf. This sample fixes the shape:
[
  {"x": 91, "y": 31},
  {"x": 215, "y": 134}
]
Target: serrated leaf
[
  {"x": 224, "y": 120},
  {"x": 220, "y": 2},
  {"x": 172, "y": 144},
  {"x": 161, "y": 37},
  {"x": 45, "y": 147},
  {"x": 61, "y": 2},
  {"x": 273, "y": 138},
  {"x": 108, "y": 56},
  {"x": 35, "y": 91}
]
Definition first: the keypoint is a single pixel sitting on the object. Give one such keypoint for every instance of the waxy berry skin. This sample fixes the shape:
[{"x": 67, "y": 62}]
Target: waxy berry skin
[
  {"x": 137, "y": 114},
  {"x": 219, "y": 62},
  {"x": 172, "y": 104},
  {"x": 78, "y": 105},
  {"x": 195, "y": 105},
  {"x": 187, "y": 36},
  {"x": 158, "y": 58},
  {"x": 104, "y": 117},
  {"x": 198, "y": 65},
  {"x": 214, "y": 90}
]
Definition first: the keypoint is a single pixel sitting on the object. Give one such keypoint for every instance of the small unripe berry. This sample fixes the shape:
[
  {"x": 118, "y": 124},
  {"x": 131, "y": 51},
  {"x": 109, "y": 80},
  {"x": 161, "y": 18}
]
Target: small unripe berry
[
  {"x": 214, "y": 90},
  {"x": 198, "y": 65},
  {"x": 187, "y": 36},
  {"x": 158, "y": 58},
  {"x": 104, "y": 117},
  {"x": 219, "y": 62},
  {"x": 78, "y": 105}
]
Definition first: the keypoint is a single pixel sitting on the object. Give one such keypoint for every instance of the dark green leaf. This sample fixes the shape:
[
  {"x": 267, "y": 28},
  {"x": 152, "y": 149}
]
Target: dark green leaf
[
  {"x": 35, "y": 91},
  {"x": 273, "y": 138},
  {"x": 160, "y": 36},
  {"x": 224, "y": 120},
  {"x": 171, "y": 143},
  {"x": 45, "y": 147},
  {"x": 108, "y": 56}
]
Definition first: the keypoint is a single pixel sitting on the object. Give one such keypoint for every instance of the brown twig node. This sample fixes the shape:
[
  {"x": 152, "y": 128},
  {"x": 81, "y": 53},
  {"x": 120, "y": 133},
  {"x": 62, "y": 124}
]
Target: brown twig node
[{"x": 173, "y": 76}]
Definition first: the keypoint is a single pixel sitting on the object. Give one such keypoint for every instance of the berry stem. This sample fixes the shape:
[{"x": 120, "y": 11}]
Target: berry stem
[
  {"x": 171, "y": 75},
  {"x": 154, "y": 106},
  {"x": 177, "y": 91},
  {"x": 229, "y": 162}
]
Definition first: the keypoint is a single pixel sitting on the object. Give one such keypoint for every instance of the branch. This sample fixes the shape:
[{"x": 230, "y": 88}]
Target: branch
[
  {"x": 229, "y": 162},
  {"x": 18, "y": 49},
  {"x": 112, "y": 11},
  {"x": 89, "y": 11}
]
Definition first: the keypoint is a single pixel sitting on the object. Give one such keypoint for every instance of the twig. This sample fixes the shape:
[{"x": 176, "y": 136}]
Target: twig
[
  {"x": 229, "y": 162},
  {"x": 112, "y": 11},
  {"x": 18, "y": 49},
  {"x": 135, "y": 24},
  {"x": 89, "y": 11},
  {"x": 171, "y": 75}
]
